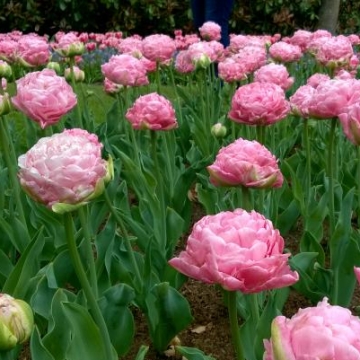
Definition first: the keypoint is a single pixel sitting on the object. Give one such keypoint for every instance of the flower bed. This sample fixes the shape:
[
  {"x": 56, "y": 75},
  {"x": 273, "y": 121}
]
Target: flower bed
[{"x": 99, "y": 185}]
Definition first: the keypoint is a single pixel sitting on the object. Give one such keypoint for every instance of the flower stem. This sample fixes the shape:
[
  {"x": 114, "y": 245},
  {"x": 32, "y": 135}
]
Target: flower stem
[
  {"x": 358, "y": 185},
  {"x": 234, "y": 326},
  {"x": 246, "y": 198},
  {"x": 162, "y": 236},
  {"x": 73, "y": 84},
  {"x": 127, "y": 243},
  {"x": 331, "y": 167},
  {"x": 89, "y": 250},
  {"x": 80, "y": 273},
  {"x": 308, "y": 166}
]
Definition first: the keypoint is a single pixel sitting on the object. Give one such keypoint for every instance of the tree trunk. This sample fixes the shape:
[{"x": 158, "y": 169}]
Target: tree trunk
[{"x": 328, "y": 15}]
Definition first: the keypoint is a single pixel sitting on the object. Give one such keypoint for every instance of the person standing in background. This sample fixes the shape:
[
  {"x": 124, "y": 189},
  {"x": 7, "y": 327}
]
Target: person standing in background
[{"x": 218, "y": 11}]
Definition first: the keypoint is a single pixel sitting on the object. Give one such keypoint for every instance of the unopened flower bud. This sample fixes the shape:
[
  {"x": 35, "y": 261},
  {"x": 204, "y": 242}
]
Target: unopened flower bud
[
  {"x": 5, "y": 104},
  {"x": 5, "y": 70},
  {"x": 219, "y": 130},
  {"x": 54, "y": 66},
  {"x": 72, "y": 50},
  {"x": 79, "y": 75},
  {"x": 203, "y": 61},
  {"x": 16, "y": 322}
]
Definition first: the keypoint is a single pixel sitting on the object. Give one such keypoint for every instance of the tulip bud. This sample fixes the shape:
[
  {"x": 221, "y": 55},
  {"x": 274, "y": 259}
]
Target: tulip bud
[
  {"x": 202, "y": 61},
  {"x": 16, "y": 322},
  {"x": 5, "y": 104},
  {"x": 72, "y": 50},
  {"x": 79, "y": 75},
  {"x": 5, "y": 70},
  {"x": 219, "y": 130},
  {"x": 53, "y": 65}
]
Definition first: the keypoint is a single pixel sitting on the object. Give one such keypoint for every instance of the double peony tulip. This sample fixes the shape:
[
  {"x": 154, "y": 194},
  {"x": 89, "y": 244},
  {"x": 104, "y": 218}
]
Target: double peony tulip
[
  {"x": 64, "y": 171},
  {"x": 238, "y": 250},
  {"x": 259, "y": 104},
  {"x": 245, "y": 163},
  {"x": 44, "y": 97},
  {"x": 152, "y": 111},
  {"x": 321, "y": 332}
]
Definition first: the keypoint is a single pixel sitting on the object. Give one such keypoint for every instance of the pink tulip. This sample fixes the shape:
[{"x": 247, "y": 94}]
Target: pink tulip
[
  {"x": 158, "y": 47},
  {"x": 111, "y": 88},
  {"x": 69, "y": 45},
  {"x": 275, "y": 73},
  {"x": 284, "y": 52},
  {"x": 245, "y": 163},
  {"x": 183, "y": 62},
  {"x": 210, "y": 31},
  {"x": 232, "y": 70},
  {"x": 350, "y": 121},
  {"x": 44, "y": 97},
  {"x": 65, "y": 170},
  {"x": 238, "y": 250},
  {"x": 152, "y": 111},
  {"x": 252, "y": 57},
  {"x": 259, "y": 104},
  {"x": 317, "y": 78},
  {"x": 300, "y": 38},
  {"x": 321, "y": 332},
  {"x": 8, "y": 50},
  {"x": 334, "y": 52},
  {"x": 131, "y": 45},
  {"x": 301, "y": 100},
  {"x": 332, "y": 97},
  {"x": 357, "y": 273},
  {"x": 33, "y": 50},
  {"x": 125, "y": 70}
]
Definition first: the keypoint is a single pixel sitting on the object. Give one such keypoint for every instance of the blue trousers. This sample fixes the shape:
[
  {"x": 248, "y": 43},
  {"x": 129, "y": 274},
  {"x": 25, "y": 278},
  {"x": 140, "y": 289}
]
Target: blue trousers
[{"x": 218, "y": 11}]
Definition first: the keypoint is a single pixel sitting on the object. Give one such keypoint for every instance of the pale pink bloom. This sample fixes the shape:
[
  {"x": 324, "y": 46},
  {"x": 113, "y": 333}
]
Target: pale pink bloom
[
  {"x": 33, "y": 50},
  {"x": 316, "y": 79},
  {"x": 238, "y": 42},
  {"x": 334, "y": 52},
  {"x": 344, "y": 75},
  {"x": 149, "y": 65},
  {"x": 332, "y": 97},
  {"x": 232, "y": 70},
  {"x": 301, "y": 100},
  {"x": 238, "y": 250},
  {"x": 125, "y": 70},
  {"x": 203, "y": 53},
  {"x": 182, "y": 42},
  {"x": 158, "y": 47},
  {"x": 354, "y": 39},
  {"x": 183, "y": 62},
  {"x": 111, "y": 88},
  {"x": 111, "y": 42},
  {"x": 275, "y": 73},
  {"x": 210, "y": 31},
  {"x": 245, "y": 163},
  {"x": 69, "y": 45},
  {"x": 350, "y": 121},
  {"x": 66, "y": 168},
  {"x": 321, "y": 332},
  {"x": 152, "y": 111},
  {"x": 300, "y": 38},
  {"x": 251, "y": 57},
  {"x": 8, "y": 50},
  {"x": 318, "y": 37},
  {"x": 259, "y": 104},
  {"x": 44, "y": 97},
  {"x": 284, "y": 52},
  {"x": 357, "y": 273},
  {"x": 131, "y": 45}
]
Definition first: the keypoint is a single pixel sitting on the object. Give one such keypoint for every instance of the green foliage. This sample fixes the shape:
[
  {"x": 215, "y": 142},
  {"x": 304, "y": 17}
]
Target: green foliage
[{"x": 163, "y": 16}]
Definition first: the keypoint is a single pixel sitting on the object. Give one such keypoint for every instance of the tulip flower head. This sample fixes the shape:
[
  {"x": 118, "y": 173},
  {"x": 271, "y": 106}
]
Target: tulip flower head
[
  {"x": 16, "y": 322},
  {"x": 238, "y": 250},
  {"x": 320, "y": 332},
  {"x": 245, "y": 163},
  {"x": 152, "y": 111},
  {"x": 44, "y": 97},
  {"x": 65, "y": 171}
]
